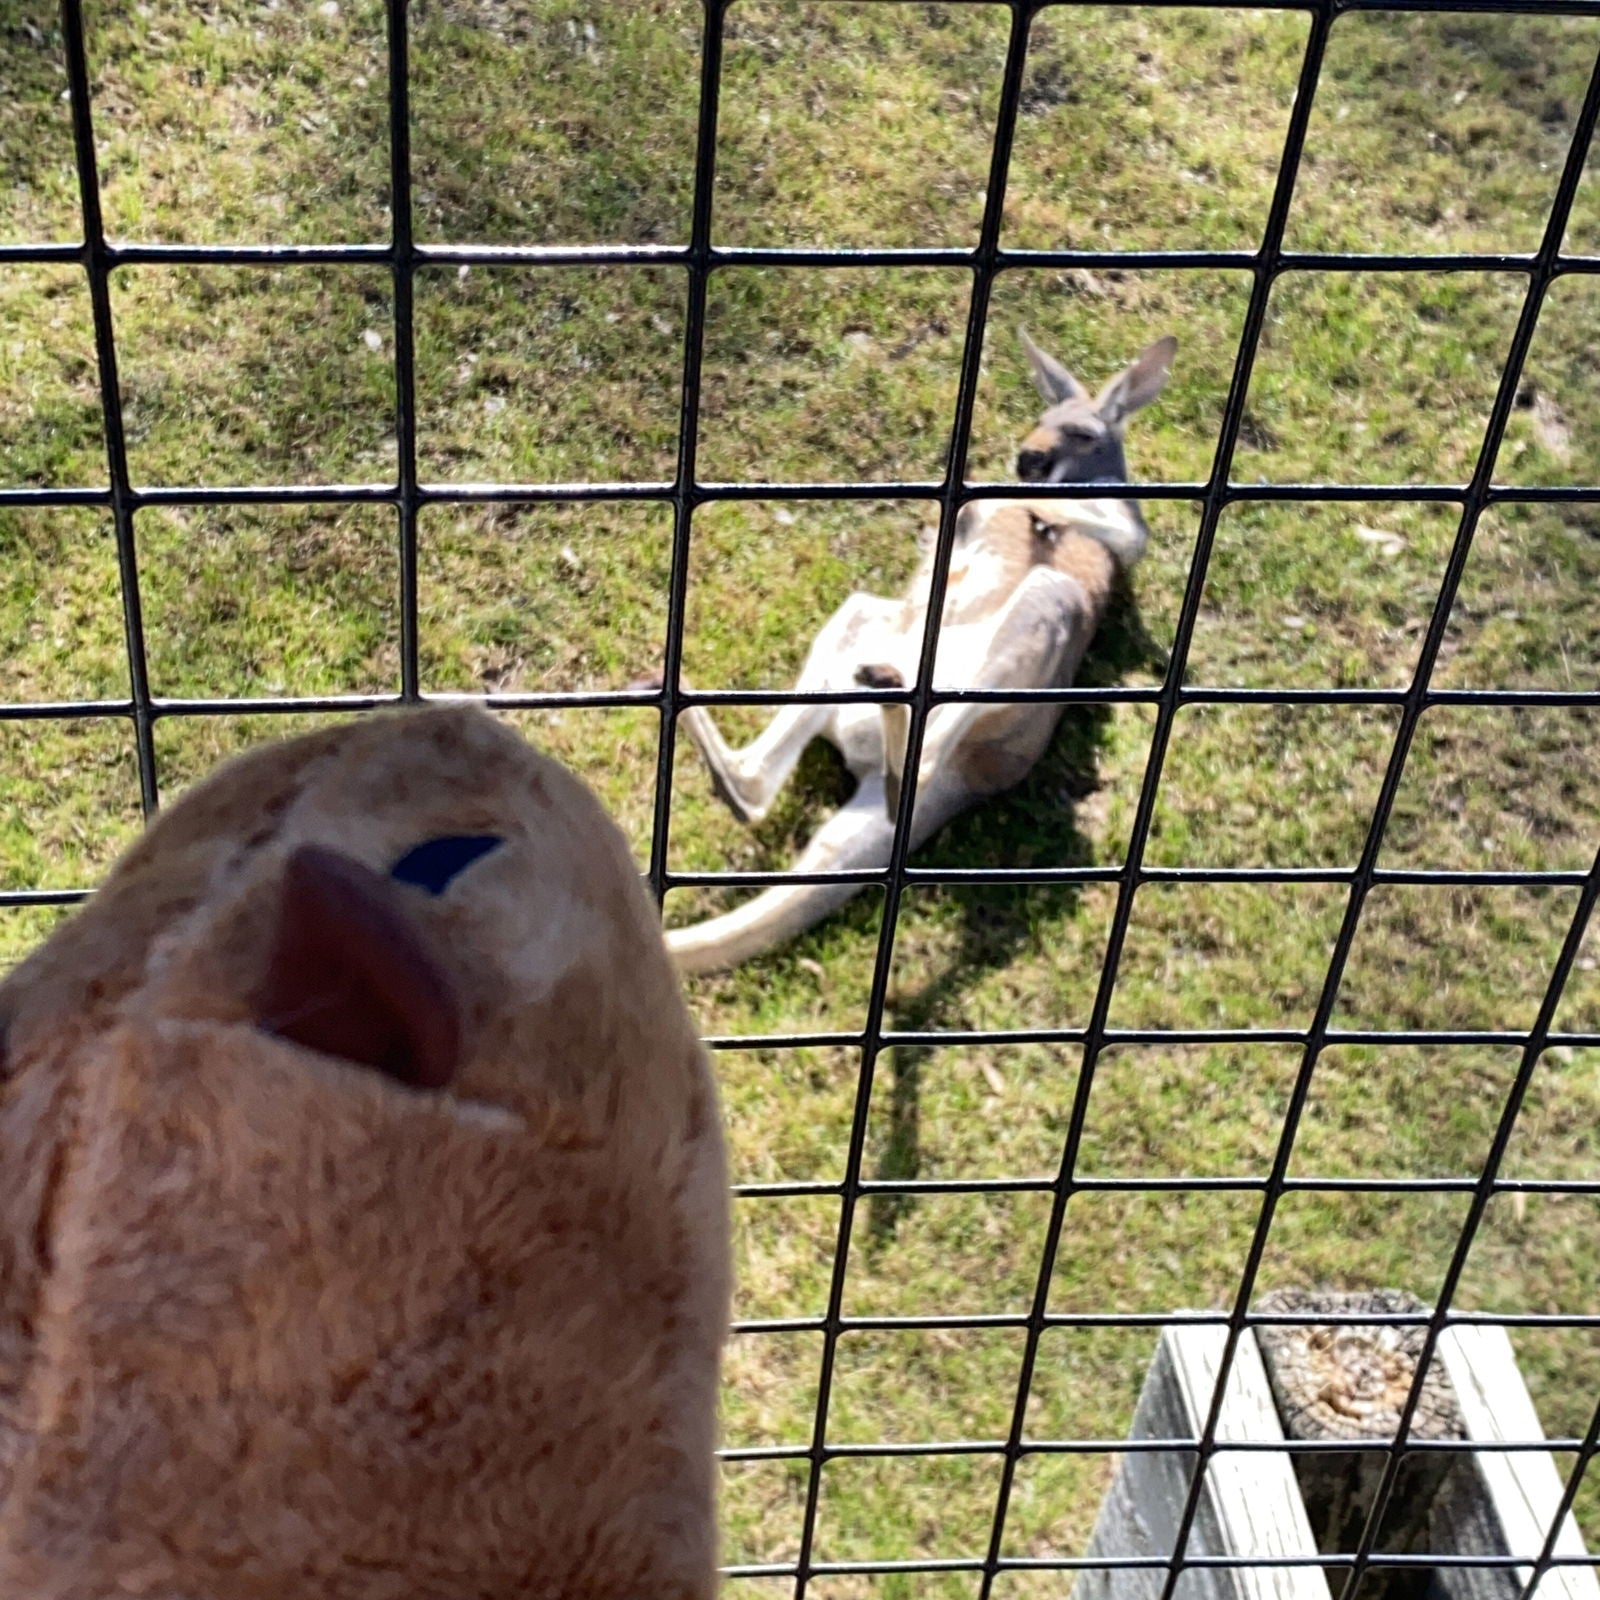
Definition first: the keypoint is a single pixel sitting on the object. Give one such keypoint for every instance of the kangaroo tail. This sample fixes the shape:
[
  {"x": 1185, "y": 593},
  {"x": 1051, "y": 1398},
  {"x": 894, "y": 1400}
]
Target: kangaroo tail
[{"x": 859, "y": 835}]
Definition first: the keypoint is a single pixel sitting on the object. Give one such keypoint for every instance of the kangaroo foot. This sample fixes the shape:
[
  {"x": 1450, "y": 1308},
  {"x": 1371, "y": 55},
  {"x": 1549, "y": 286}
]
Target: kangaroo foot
[{"x": 721, "y": 781}]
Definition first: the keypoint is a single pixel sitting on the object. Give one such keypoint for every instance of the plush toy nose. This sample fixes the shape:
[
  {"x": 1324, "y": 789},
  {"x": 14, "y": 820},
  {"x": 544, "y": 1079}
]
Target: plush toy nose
[{"x": 353, "y": 974}]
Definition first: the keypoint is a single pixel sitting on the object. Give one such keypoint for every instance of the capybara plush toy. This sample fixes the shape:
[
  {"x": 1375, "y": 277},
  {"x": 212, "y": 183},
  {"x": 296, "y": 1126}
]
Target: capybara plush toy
[{"x": 363, "y": 1218}]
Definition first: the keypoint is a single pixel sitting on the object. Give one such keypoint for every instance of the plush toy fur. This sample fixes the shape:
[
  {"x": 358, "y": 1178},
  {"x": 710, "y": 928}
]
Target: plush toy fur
[{"x": 356, "y": 1239}]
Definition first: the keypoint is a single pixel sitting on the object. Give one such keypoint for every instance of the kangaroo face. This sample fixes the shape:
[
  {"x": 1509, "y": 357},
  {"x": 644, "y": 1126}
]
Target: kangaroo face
[
  {"x": 1072, "y": 444},
  {"x": 1078, "y": 439}
]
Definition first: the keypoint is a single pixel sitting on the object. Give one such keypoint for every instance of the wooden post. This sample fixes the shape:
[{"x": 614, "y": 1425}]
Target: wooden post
[
  {"x": 1250, "y": 1505},
  {"x": 1350, "y": 1382},
  {"x": 1343, "y": 1381}
]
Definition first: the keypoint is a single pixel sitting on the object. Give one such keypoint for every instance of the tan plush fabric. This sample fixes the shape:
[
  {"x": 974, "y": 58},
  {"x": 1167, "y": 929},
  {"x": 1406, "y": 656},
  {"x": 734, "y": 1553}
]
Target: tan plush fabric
[{"x": 273, "y": 1323}]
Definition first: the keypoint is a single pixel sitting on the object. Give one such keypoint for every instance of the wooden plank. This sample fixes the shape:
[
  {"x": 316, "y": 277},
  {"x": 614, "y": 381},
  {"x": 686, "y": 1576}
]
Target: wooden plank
[
  {"x": 1523, "y": 1487},
  {"x": 1250, "y": 1505},
  {"x": 1341, "y": 1381}
]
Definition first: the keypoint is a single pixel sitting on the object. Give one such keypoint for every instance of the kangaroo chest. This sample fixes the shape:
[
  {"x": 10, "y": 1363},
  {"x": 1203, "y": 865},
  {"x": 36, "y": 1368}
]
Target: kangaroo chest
[{"x": 982, "y": 578}]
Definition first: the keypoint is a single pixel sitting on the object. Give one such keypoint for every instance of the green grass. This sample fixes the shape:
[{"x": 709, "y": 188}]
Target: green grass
[{"x": 555, "y": 121}]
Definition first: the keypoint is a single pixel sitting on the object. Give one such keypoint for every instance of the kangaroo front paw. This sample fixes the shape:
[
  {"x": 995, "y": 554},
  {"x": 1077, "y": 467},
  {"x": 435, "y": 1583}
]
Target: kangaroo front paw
[{"x": 878, "y": 676}]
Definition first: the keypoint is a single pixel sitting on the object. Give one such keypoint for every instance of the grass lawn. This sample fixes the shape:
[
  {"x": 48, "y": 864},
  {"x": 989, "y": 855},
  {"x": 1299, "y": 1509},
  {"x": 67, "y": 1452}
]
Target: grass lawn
[{"x": 573, "y": 121}]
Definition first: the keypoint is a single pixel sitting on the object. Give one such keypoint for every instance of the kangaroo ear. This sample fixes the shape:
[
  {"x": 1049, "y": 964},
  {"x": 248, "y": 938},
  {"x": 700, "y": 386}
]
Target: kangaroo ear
[
  {"x": 353, "y": 975},
  {"x": 1138, "y": 384},
  {"x": 1050, "y": 378}
]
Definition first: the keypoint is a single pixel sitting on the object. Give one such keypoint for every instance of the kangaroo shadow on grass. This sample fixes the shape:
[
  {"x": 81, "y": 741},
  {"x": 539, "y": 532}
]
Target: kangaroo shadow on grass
[{"x": 1035, "y": 824}]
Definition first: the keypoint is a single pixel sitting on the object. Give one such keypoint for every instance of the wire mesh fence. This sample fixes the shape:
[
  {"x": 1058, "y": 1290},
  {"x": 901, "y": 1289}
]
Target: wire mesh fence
[{"x": 1011, "y": 1448}]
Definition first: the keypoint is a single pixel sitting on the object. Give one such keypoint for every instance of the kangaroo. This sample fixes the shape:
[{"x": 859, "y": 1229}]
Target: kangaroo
[{"x": 1028, "y": 583}]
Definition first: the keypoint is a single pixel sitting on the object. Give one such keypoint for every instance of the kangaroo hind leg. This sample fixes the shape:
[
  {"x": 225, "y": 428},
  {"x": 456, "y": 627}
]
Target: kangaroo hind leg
[{"x": 749, "y": 779}]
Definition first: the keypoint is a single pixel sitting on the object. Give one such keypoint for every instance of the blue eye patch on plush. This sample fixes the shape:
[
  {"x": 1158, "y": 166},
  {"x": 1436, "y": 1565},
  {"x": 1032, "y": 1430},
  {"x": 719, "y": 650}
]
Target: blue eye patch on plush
[{"x": 432, "y": 864}]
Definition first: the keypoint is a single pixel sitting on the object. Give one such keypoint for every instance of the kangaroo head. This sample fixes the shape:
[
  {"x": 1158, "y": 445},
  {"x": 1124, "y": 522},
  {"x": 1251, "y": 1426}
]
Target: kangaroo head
[{"x": 1078, "y": 439}]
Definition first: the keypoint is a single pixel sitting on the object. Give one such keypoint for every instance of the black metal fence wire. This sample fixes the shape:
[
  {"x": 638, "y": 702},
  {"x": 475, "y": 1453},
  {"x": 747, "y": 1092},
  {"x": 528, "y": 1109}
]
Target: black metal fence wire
[{"x": 98, "y": 257}]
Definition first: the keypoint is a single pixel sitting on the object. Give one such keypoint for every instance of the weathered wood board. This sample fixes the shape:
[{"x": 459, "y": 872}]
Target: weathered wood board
[
  {"x": 1250, "y": 1505},
  {"x": 1522, "y": 1488},
  {"x": 1496, "y": 1502}
]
